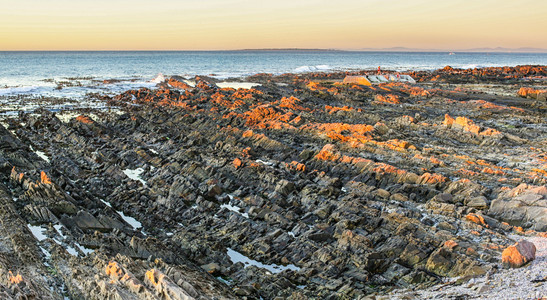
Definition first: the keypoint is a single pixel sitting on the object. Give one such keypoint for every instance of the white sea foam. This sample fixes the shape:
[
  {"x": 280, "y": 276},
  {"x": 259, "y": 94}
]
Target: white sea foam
[
  {"x": 304, "y": 69},
  {"x": 190, "y": 82},
  {"x": 159, "y": 79},
  {"x": 23, "y": 90},
  {"x": 25, "y": 76},
  {"x": 227, "y": 75}
]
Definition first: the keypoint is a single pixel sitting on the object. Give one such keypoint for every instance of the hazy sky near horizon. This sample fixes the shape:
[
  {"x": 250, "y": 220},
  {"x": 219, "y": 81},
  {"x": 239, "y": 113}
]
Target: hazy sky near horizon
[{"x": 243, "y": 24}]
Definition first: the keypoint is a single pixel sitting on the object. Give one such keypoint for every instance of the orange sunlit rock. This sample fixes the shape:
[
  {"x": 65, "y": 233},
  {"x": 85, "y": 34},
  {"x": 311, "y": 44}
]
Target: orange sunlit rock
[
  {"x": 333, "y": 109},
  {"x": 492, "y": 171},
  {"x": 468, "y": 125},
  {"x": 15, "y": 279},
  {"x": 532, "y": 93},
  {"x": 490, "y": 131},
  {"x": 296, "y": 166},
  {"x": 478, "y": 219},
  {"x": 314, "y": 86},
  {"x": 247, "y": 133},
  {"x": 450, "y": 244},
  {"x": 152, "y": 277},
  {"x": 178, "y": 84},
  {"x": 428, "y": 178},
  {"x": 518, "y": 254},
  {"x": 327, "y": 153},
  {"x": 398, "y": 145},
  {"x": 237, "y": 163},
  {"x": 84, "y": 119},
  {"x": 389, "y": 98},
  {"x": 114, "y": 270},
  {"x": 44, "y": 179},
  {"x": 292, "y": 103},
  {"x": 362, "y": 80}
]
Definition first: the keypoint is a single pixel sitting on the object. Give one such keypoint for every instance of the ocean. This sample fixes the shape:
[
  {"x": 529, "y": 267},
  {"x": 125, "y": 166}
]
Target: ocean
[{"x": 77, "y": 74}]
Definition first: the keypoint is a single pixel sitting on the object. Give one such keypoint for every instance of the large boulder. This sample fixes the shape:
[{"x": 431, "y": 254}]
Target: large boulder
[
  {"x": 525, "y": 206},
  {"x": 518, "y": 254},
  {"x": 532, "y": 93}
]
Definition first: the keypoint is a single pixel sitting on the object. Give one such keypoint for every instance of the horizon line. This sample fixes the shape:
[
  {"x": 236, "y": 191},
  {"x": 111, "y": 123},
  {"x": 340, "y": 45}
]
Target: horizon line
[{"x": 391, "y": 49}]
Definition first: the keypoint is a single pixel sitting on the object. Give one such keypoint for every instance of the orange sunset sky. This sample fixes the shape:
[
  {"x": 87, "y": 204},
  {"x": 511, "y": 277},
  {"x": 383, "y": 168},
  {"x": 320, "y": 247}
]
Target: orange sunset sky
[{"x": 242, "y": 24}]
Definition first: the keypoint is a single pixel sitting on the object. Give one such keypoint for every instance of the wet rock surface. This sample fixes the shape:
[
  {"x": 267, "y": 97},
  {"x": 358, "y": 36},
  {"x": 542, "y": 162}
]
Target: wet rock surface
[{"x": 303, "y": 187}]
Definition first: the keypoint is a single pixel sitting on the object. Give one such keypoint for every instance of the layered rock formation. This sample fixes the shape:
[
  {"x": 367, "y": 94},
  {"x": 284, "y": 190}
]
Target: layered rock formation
[{"x": 303, "y": 187}]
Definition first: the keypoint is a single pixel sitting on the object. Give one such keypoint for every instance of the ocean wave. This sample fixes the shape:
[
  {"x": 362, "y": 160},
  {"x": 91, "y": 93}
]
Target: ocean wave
[
  {"x": 159, "y": 79},
  {"x": 319, "y": 68},
  {"x": 23, "y": 90}
]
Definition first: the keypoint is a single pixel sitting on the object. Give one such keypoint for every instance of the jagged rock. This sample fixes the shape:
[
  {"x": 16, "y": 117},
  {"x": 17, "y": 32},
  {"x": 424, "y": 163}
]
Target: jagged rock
[
  {"x": 518, "y": 254},
  {"x": 164, "y": 287},
  {"x": 85, "y": 220},
  {"x": 328, "y": 190},
  {"x": 524, "y": 206},
  {"x": 479, "y": 202}
]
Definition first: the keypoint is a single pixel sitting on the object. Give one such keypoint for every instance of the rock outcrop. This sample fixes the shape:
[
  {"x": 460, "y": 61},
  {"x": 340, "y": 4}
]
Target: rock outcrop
[
  {"x": 303, "y": 187},
  {"x": 519, "y": 254},
  {"x": 524, "y": 206}
]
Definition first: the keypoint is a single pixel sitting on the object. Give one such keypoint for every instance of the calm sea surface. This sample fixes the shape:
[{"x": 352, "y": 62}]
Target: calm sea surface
[{"x": 40, "y": 72}]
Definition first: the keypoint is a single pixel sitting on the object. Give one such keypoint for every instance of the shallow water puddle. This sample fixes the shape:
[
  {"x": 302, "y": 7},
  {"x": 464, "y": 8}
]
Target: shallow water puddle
[
  {"x": 129, "y": 220},
  {"x": 267, "y": 163},
  {"x": 135, "y": 174},
  {"x": 84, "y": 249},
  {"x": 42, "y": 155},
  {"x": 228, "y": 282},
  {"x": 236, "y": 257},
  {"x": 71, "y": 250},
  {"x": 106, "y": 203},
  {"x": 237, "y": 85},
  {"x": 38, "y": 232},
  {"x": 235, "y": 209},
  {"x": 58, "y": 228},
  {"x": 46, "y": 253}
]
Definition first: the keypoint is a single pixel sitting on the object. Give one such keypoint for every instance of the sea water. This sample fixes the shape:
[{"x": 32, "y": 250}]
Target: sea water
[{"x": 76, "y": 74}]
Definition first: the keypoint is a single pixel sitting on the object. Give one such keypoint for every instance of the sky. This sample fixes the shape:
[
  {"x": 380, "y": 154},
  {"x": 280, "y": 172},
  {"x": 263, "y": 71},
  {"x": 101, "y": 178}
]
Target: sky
[{"x": 254, "y": 24}]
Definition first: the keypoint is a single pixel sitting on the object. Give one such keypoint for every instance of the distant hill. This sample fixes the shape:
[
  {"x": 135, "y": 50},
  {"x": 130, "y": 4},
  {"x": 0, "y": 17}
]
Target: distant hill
[
  {"x": 290, "y": 49},
  {"x": 497, "y": 49},
  {"x": 405, "y": 49},
  {"x": 501, "y": 49}
]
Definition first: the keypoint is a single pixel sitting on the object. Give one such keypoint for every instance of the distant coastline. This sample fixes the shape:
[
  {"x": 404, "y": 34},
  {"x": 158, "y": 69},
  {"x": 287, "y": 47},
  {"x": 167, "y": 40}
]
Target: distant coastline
[
  {"x": 292, "y": 49},
  {"x": 470, "y": 50}
]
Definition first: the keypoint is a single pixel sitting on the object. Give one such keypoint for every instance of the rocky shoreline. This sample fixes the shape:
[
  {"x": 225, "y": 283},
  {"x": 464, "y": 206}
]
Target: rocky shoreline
[{"x": 299, "y": 188}]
